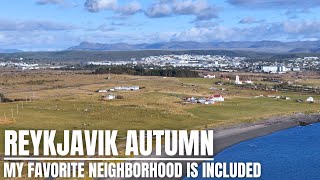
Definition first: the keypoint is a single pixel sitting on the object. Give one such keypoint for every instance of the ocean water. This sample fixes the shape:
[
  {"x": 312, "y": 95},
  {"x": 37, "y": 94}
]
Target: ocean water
[{"x": 292, "y": 154}]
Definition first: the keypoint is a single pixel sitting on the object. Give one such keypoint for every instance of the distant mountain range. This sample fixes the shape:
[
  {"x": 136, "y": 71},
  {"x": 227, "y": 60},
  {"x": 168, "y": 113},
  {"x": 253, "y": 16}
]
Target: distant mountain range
[
  {"x": 10, "y": 50},
  {"x": 262, "y": 46}
]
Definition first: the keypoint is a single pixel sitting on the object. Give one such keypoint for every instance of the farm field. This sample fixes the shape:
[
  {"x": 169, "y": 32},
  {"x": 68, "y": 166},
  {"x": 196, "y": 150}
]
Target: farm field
[{"x": 68, "y": 100}]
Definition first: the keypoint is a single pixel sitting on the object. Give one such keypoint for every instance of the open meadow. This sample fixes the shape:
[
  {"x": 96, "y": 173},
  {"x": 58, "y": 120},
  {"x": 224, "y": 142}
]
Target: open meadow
[{"x": 68, "y": 100}]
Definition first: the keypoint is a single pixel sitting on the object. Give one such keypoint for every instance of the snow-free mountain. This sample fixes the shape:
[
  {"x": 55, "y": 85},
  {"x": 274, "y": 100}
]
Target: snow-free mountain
[{"x": 263, "y": 46}]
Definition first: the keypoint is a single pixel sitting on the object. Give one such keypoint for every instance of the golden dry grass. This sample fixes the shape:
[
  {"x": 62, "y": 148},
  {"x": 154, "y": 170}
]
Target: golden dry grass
[
  {"x": 6, "y": 121},
  {"x": 67, "y": 100}
]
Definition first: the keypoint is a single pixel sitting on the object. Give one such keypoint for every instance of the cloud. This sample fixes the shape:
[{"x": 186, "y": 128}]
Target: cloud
[
  {"x": 205, "y": 24},
  {"x": 250, "y": 20},
  {"x": 293, "y": 13},
  {"x": 292, "y": 8},
  {"x": 217, "y": 33},
  {"x": 286, "y": 4},
  {"x": 159, "y": 9},
  {"x": 103, "y": 28},
  {"x": 126, "y": 24},
  {"x": 6, "y": 25},
  {"x": 33, "y": 40},
  {"x": 305, "y": 28},
  {"x": 201, "y": 9},
  {"x": 281, "y": 31},
  {"x": 127, "y": 37},
  {"x": 128, "y": 9},
  {"x": 44, "y": 2},
  {"x": 99, "y": 5}
]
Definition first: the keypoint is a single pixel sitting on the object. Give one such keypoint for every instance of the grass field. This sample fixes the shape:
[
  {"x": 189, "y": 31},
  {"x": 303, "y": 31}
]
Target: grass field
[{"x": 67, "y": 100}]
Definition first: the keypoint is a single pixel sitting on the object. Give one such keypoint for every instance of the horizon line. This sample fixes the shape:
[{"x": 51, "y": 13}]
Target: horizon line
[{"x": 67, "y": 48}]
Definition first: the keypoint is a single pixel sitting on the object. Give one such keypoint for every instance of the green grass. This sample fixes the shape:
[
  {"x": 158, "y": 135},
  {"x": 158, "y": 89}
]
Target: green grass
[
  {"x": 248, "y": 109},
  {"x": 158, "y": 106}
]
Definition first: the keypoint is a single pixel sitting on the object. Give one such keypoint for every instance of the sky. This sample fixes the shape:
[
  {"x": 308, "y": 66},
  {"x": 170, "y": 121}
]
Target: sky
[{"x": 58, "y": 24}]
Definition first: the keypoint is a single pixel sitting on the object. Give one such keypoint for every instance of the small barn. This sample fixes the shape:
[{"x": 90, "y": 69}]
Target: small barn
[
  {"x": 127, "y": 88},
  {"x": 191, "y": 99},
  {"x": 217, "y": 98},
  {"x": 310, "y": 100},
  {"x": 109, "y": 97},
  {"x": 209, "y": 76}
]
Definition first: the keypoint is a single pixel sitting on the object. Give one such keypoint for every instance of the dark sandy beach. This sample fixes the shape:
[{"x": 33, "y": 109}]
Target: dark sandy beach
[
  {"x": 230, "y": 135},
  {"x": 225, "y": 137}
]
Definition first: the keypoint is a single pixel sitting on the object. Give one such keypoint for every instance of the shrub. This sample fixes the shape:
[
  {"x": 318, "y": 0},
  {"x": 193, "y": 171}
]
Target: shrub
[
  {"x": 3, "y": 99},
  {"x": 119, "y": 97}
]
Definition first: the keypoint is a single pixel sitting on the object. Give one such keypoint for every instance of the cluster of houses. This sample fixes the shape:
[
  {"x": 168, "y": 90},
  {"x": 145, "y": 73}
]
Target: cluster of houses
[
  {"x": 120, "y": 88},
  {"x": 210, "y": 100},
  {"x": 189, "y": 60},
  {"x": 126, "y": 88},
  {"x": 279, "y": 97},
  {"x": 108, "y": 97},
  {"x": 309, "y": 99},
  {"x": 237, "y": 81}
]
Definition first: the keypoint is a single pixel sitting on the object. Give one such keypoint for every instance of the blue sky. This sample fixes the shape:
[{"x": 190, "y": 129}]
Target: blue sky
[{"x": 59, "y": 24}]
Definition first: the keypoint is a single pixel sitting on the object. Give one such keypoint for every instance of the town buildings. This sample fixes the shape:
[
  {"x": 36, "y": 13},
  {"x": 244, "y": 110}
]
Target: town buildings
[{"x": 202, "y": 100}]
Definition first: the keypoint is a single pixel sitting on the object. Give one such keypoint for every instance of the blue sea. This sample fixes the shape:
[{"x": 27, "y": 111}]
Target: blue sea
[{"x": 292, "y": 154}]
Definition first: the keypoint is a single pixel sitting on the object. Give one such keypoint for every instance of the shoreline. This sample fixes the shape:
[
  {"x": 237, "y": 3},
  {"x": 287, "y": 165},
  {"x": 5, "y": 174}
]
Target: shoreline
[
  {"x": 231, "y": 135},
  {"x": 227, "y": 136}
]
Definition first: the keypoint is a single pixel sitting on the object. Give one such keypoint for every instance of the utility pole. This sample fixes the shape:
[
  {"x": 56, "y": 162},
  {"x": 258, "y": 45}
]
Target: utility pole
[{"x": 109, "y": 75}]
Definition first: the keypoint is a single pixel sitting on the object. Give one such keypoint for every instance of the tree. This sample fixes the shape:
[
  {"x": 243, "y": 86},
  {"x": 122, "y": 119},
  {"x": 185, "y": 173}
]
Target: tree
[{"x": 3, "y": 99}]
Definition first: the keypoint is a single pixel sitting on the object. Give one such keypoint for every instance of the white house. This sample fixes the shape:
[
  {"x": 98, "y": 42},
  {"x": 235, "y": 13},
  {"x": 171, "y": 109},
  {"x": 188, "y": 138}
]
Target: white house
[
  {"x": 310, "y": 99},
  {"x": 210, "y": 76},
  {"x": 200, "y": 100},
  {"x": 127, "y": 88},
  {"x": 217, "y": 98},
  {"x": 296, "y": 69},
  {"x": 191, "y": 99},
  {"x": 102, "y": 91},
  {"x": 209, "y": 102},
  {"x": 109, "y": 97},
  {"x": 248, "y": 82}
]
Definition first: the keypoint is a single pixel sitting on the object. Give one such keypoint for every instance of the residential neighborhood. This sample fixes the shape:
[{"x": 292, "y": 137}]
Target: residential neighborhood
[
  {"x": 215, "y": 63},
  {"x": 205, "y": 100},
  {"x": 120, "y": 88}
]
